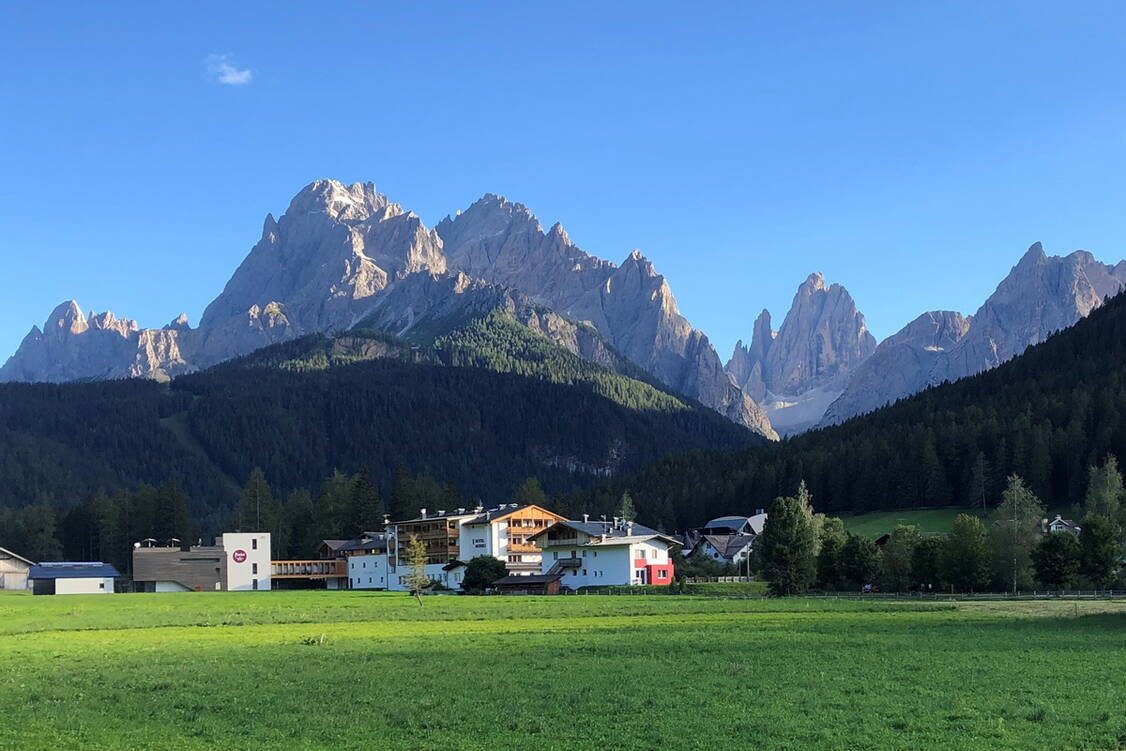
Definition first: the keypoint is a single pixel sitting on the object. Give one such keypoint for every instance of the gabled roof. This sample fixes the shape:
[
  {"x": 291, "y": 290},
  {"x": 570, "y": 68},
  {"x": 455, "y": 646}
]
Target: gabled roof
[
  {"x": 729, "y": 546},
  {"x": 333, "y": 545},
  {"x": 615, "y": 534},
  {"x": 374, "y": 542},
  {"x": 505, "y": 510},
  {"x": 72, "y": 570},
  {"x": 16, "y": 555}
]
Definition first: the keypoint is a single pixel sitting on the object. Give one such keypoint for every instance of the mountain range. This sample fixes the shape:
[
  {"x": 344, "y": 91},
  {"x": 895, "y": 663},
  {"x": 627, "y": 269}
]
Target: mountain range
[{"x": 345, "y": 256}]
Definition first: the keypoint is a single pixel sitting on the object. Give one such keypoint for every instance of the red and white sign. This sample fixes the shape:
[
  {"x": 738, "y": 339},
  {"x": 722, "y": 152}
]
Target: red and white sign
[{"x": 239, "y": 556}]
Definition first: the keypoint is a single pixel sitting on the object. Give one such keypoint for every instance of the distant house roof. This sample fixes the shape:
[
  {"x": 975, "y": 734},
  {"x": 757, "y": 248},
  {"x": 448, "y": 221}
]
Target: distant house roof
[
  {"x": 333, "y": 545},
  {"x": 729, "y": 546},
  {"x": 616, "y": 534},
  {"x": 1063, "y": 524},
  {"x": 737, "y": 524},
  {"x": 7, "y": 552},
  {"x": 454, "y": 564},
  {"x": 72, "y": 570},
  {"x": 376, "y": 541}
]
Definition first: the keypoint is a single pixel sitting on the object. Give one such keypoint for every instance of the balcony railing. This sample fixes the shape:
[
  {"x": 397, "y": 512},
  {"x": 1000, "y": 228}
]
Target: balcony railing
[{"x": 332, "y": 569}]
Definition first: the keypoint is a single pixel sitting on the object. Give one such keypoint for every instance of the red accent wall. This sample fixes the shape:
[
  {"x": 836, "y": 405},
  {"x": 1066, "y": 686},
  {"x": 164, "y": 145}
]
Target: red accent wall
[{"x": 651, "y": 570}]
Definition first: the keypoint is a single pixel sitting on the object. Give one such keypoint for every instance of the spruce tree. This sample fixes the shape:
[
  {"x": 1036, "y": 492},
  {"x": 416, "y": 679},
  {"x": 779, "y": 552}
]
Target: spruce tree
[
  {"x": 787, "y": 548},
  {"x": 965, "y": 555}
]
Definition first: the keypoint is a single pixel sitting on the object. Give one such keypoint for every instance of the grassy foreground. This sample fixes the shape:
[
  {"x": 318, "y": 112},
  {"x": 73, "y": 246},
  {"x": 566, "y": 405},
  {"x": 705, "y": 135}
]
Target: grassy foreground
[{"x": 350, "y": 669}]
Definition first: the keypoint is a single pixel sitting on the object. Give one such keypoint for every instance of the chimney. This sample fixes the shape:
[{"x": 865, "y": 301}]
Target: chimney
[
  {"x": 461, "y": 510},
  {"x": 760, "y": 511},
  {"x": 629, "y": 529},
  {"x": 422, "y": 511},
  {"x": 586, "y": 518},
  {"x": 441, "y": 512},
  {"x": 478, "y": 509}
]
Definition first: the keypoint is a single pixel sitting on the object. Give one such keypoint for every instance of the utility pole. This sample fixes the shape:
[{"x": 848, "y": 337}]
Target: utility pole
[{"x": 1014, "y": 544}]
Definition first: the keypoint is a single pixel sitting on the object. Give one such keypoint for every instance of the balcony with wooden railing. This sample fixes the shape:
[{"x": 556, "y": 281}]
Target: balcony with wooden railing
[{"x": 321, "y": 569}]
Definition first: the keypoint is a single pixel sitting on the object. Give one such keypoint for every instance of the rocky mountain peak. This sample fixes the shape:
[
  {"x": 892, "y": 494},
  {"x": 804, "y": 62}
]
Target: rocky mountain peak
[
  {"x": 179, "y": 323},
  {"x": 355, "y": 202},
  {"x": 66, "y": 318}
]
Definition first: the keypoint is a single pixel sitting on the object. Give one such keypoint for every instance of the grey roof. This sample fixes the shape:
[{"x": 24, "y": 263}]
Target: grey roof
[
  {"x": 493, "y": 513},
  {"x": 632, "y": 532},
  {"x": 729, "y": 545},
  {"x": 333, "y": 545},
  {"x": 376, "y": 542},
  {"x": 72, "y": 570}
]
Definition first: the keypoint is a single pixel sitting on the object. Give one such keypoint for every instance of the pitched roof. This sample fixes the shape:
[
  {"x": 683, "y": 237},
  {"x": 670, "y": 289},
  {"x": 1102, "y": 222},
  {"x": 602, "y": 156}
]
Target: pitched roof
[
  {"x": 17, "y": 555},
  {"x": 615, "y": 534},
  {"x": 374, "y": 542},
  {"x": 729, "y": 546},
  {"x": 333, "y": 545},
  {"x": 72, "y": 570}
]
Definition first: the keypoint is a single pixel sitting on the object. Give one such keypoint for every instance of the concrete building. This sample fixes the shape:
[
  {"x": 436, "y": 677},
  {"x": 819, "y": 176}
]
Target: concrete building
[
  {"x": 454, "y": 538},
  {"x": 238, "y": 561},
  {"x": 366, "y": 558},
  {"x": 601, "y": 553},
  {"x": 73, "y": 578},
  {"x": 13, "y": 570}
]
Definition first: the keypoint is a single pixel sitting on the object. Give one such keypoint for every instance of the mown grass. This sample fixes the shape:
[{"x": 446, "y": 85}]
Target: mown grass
[
  {"x": 878, "y": 523},
  {"x": 351, "y": 670}
]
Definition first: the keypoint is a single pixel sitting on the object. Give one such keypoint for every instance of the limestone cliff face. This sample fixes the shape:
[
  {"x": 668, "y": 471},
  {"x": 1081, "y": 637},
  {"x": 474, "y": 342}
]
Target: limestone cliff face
[
  {"x": 631, "y": 305},
  {"x": 341, "y": 254},
  {"x": 1041, "y": 295},
  {"x": 316, "y": 269},
  {"x": 798, "y": 370},
  {"x": 72, "y": 347}
]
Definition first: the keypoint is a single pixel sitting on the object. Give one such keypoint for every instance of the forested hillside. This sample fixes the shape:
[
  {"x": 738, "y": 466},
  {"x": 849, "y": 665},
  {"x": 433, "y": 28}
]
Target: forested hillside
[
  {"x": 304, "y": 409},
  {"x": 1047, "y": 415}
]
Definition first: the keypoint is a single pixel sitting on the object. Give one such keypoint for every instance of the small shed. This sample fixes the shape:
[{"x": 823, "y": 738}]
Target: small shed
[
  {"x": 546, "y": 584},
  {"x": 73, "y": 578},
  {"x": 13, "y": 570}
]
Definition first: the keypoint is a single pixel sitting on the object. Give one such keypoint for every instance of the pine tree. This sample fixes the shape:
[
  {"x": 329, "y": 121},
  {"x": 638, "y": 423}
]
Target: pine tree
[
  {"x": 626, "y": 509},
  {"x": 965, "y": 555},
  {"x": 832, "y": 536},
  {"x": 367, "y": 509},
  {"x": 530, "y": 493},
  {"x": 860, "y": 562},
  {"x": 256, "y": 507},
  {"x": 1056, "y": 560},
  {"x": 787, "y": 548},
  {"x": 1100, "y": 550},
  {"x": 1105, "y": 492}
]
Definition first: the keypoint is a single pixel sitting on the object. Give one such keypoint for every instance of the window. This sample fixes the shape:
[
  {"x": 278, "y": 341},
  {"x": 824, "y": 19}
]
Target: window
[
  {"x": 254, "y": 584},
  {"x": 102, "y": 585},
  {"x": 661, "y": 574},
  {"x": 653, "y": 553},
  {"x": 584, "y": 572},
  {"x": 365, "y": 564},
  {"x": 556, "y": 554},
  {"x": 254, "y": 568},
  {"x": 595, "y": 553},
  {"x": 584, "y": 554},
  {"x": 369, "y": 580},
  {"x": 254, "y": 544}
]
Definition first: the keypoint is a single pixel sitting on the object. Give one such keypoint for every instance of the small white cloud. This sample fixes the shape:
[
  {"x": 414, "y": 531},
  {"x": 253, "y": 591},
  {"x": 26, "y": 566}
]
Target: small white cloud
[{"x": 222, "y": 69}]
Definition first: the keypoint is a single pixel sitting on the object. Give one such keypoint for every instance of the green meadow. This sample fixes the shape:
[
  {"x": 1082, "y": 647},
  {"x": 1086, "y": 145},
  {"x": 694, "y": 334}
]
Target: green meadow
[
  {"x": 295, "y": 670},
  {"x": 877, "y": 523}
]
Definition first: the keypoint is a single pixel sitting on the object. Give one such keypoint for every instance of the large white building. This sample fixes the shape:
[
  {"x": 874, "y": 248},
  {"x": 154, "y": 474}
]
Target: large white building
[
  {"x": 13, "y": 570},
  {"x": 452, "y": 539},
  {"x": 73, "y": 578},
  {"x": 591, "y": 554}
]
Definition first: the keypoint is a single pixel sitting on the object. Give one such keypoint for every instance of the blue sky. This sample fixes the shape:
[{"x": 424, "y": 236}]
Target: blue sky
[{"x": 910, "y": 151}]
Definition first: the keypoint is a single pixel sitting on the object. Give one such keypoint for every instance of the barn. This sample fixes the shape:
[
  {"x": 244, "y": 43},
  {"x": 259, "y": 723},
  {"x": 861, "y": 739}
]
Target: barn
[
  {"x": 72, "y": 578},
  {"x": 13, "y": 570}
]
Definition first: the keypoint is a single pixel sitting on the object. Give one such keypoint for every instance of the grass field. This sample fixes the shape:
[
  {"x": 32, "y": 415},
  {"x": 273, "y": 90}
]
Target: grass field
[
  {"x": 878, "y": 523},
  {"x": 351, "y": 670}
]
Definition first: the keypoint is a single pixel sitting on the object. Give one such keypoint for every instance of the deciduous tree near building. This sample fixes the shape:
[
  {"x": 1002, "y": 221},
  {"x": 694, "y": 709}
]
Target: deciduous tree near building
[
  {"x": 1056, "y": 560},
  {"x": 416, "y": 580},
  {"x": 965, "y": 556}
]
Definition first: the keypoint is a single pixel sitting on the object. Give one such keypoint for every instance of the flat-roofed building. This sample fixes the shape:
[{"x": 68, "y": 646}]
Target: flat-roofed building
[{"x": 238, "y": 561}]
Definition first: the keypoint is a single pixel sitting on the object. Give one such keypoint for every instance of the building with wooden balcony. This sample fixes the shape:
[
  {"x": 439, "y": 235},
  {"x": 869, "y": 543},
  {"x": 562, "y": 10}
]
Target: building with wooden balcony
[
  {"x": 452, "y": 538},
  {"x": 601, "y": 553}
]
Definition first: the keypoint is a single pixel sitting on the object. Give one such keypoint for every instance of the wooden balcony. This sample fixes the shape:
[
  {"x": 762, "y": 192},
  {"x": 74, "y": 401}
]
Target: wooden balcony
[{"x": 331, "y": 569}]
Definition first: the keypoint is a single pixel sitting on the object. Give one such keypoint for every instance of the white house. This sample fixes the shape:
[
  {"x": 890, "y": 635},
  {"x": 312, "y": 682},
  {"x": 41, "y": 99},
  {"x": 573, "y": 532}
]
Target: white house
[
  {"x": 601, "y": 553},
  {"x": 367, "y": 561},
  {"x": 453, "y": 538},
  {"x": 73, "y": 578},
  {"x": 13, "y": 570},
  {"x": 736, "y": 525},
  {"x": 1061, "y": 525}
]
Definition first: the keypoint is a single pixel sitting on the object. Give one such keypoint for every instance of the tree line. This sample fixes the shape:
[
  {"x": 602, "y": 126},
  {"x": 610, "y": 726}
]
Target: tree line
[
  {"x": 104, "y": 526},
  {"x": 800, "y": 550}
]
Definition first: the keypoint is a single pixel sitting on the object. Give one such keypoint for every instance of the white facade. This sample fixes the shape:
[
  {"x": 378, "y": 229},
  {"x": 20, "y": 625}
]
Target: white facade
[
  {"x": 94, "y": 585},
  {"x": 397, "y": 577},
  {"x": 606, "y": 564},
  {"x": 248, "y": 560},
  {"x": 368, "y": 571}
]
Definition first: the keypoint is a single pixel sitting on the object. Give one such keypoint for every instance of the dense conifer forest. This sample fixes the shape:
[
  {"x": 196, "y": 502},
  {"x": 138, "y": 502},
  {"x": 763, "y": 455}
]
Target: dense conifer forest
[
  {"x": 482, "y": 409},
  {"x": 1048, "y": 416}
]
